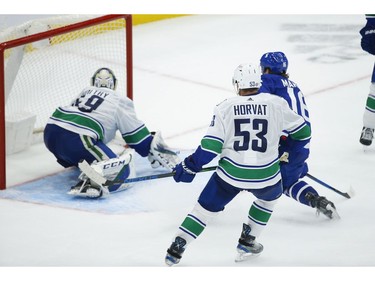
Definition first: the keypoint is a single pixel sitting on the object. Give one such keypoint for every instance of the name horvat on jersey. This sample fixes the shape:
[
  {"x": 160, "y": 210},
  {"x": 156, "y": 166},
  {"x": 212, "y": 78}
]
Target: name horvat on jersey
[{"x": 246, "y": 109}]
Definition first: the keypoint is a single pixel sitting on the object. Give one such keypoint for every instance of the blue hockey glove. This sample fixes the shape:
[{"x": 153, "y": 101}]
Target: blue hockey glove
[
  {"x": 368, "y": 38},
  {"x": 183, "y": 173}
]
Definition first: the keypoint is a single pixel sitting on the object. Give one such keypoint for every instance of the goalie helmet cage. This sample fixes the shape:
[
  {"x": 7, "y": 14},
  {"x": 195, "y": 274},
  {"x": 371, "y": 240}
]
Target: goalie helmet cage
[{"x": 60, "y": 44}]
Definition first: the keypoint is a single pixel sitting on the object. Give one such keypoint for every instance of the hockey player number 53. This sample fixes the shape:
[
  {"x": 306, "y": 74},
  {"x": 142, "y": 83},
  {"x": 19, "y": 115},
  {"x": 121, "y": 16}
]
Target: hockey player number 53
[{"x": 258, "y": 142}]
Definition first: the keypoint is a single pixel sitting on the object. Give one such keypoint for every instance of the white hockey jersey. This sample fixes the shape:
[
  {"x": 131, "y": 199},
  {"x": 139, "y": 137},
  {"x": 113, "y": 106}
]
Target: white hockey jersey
[
  {"x": 245, "y": 131},
  {"x": 99, "y": 113}
]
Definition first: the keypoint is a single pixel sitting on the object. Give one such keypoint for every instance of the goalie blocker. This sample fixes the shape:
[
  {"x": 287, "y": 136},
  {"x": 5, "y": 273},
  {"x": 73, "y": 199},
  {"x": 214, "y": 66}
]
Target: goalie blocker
[{"x": 94, "y": 176}]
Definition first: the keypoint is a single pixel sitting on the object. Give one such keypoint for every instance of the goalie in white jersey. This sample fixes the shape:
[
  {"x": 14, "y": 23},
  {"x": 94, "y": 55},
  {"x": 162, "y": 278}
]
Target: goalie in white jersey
[
  {"x": 244, "y": 132},
  {"x": 82, "y": 130}
]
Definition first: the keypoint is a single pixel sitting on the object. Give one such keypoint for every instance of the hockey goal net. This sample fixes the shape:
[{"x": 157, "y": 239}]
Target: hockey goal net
[{"x": 46, "y": 63}]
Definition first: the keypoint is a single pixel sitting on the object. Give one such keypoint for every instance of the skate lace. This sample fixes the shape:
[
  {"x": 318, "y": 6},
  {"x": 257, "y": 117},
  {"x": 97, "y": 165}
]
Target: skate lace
[{"x": 178, "y": 246}]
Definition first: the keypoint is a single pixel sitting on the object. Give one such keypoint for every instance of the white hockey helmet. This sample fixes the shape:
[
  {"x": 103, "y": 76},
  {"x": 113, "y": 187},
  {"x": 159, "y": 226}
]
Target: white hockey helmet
[
  {"x": 104, "y": 77},
  {"x": 246, "y": 76}
]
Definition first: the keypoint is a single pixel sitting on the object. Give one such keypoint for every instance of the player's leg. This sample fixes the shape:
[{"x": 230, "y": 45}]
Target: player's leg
[
  {"x": 367, "y": 133},
  {"x": 212, "y": 200},
  {"x": 258, "y": 216},
  {"x": 114, "y": 169},
  {"x": 301, "y": 191},
  {"x": 304, "y": 193},
  {"x": 70, "y": 148}
]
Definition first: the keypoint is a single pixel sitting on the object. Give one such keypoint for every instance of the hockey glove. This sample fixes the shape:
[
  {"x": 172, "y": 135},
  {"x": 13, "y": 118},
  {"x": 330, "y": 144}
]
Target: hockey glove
[
  {"x": 368, "y": 38},
  {"x": 160, "y": 154},
  {"x": 184, "y": 172}
]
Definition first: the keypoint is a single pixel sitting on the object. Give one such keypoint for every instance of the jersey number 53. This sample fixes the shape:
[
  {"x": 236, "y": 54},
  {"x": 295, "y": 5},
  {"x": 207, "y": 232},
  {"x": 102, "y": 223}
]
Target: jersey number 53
[{"x": 257, "y": 140}]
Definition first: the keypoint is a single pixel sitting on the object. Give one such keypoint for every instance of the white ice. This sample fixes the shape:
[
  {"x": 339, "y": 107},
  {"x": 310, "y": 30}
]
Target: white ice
[{"x": 182, "y": 69}]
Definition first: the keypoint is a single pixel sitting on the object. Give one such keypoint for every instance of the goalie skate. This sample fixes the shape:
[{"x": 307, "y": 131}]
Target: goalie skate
[{"x": 86, "y": 189}]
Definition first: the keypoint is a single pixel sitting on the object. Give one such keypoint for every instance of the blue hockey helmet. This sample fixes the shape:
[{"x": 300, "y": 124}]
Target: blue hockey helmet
[{"x": 275, "y": 61}]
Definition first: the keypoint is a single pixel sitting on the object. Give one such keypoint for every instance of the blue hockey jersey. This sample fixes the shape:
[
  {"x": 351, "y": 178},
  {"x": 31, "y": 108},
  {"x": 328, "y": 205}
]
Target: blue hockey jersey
[{"x": 288, "y": 90}]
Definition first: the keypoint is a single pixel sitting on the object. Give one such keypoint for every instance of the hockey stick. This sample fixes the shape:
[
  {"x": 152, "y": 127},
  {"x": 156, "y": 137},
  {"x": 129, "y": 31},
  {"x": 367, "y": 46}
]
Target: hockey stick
[
  {"x": 96, "y": 177},
  {"x": 166, "y": 175},
  {"x": 345, "y": 194}
]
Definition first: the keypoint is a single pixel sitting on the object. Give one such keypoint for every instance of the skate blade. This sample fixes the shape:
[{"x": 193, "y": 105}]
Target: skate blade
[
  {"x": 366, "y": 148},
  {"x": 245, "y": 256},
  {"x": 335, "y": 214},
  {"x": 171, "y": 261}
]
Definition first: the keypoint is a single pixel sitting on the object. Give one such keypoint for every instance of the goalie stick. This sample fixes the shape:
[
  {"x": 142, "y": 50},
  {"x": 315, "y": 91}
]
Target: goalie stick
[
  {"x": 96, "y": 177},
  {"x": 345, "y": 194}
]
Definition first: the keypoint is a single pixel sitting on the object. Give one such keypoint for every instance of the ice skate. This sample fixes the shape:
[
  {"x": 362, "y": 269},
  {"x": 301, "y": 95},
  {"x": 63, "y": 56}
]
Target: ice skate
[
  {"x": 247, "y": 246},
  {"x": 322, "y": 205},
  {"x": 366, "y": 136},
  {"x": 175, "y": 251}
]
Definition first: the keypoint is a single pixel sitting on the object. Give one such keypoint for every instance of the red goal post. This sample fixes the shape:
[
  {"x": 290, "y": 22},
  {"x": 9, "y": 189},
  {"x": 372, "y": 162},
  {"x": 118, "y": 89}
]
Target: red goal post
[{"x": 63, "y": 57}]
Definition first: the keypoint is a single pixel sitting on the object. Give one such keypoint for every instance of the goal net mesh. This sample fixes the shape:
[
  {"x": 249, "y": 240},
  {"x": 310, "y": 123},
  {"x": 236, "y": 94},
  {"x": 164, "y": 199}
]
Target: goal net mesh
[{"x": 42, "y": 75}]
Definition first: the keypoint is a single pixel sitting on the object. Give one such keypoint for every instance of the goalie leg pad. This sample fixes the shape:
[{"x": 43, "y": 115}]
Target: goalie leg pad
[
  {"x": 93, "y": 177},
  {"x": 114, "y": 167},
  {"x": 129, "y": 173},
  {"x": 119, "y": 168}
]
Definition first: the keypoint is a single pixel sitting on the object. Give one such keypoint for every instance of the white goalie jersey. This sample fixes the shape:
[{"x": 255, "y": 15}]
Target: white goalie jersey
[
  {"x": 99, "y": 113},
  {"x": 245, "y": 131}
]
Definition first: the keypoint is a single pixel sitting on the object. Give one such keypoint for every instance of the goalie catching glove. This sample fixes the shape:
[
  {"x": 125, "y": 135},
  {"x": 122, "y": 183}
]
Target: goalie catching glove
[{"x": 160, "y": 154}]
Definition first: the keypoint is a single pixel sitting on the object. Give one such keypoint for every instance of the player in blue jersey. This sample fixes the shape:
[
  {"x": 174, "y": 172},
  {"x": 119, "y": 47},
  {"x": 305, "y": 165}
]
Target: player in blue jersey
[
  {"x": 368, "y": 45},
  {"x": 275, "y": 80},
  {"x": 83, "y": 129},
  {"x": 244, "y": 132}
]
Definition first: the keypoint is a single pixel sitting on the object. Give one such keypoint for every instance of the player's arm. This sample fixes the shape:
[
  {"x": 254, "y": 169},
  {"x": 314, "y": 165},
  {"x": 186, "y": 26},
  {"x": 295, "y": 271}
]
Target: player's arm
[
  {"x": 295, "y": 124},
  {"x": 300, "y": 135},
  {"x": 137, "y": 136},
  {"x": 211, "y": 145}
]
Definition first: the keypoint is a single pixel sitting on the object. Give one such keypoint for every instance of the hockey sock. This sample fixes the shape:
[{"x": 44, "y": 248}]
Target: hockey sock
[
  {"x": 259, "y": 214},
  {"x": 299, "y": 190},
  {"x": 195, "y": 222}
]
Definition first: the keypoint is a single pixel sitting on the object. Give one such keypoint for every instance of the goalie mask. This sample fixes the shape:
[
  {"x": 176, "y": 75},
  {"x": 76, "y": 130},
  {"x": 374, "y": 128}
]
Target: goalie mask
[
  {"x": 104, "y": 77},
  {"x": 275, "y": 61},
  {"x": 246, "y": 76}
]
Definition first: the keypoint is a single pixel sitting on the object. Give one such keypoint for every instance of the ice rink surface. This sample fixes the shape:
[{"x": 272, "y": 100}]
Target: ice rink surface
[{"x": 182, "y": 69}]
